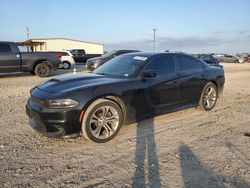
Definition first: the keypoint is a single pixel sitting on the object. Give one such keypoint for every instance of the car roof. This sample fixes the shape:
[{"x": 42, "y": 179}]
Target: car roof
[{"x": 151, "y": 54}]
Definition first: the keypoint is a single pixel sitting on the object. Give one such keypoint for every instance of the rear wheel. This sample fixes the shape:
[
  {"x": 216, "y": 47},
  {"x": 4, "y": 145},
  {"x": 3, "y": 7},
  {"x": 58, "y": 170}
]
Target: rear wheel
[
  {"x": 208, "y": 97},
  {"x": 66, "y": 65},
  {"x": 102, "y": 121},
  {"x": 42, "y": 70}
]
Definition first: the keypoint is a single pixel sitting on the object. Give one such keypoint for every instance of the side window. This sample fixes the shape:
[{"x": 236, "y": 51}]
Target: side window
[
  {"x": 187, "y": 63},
  {"x": 5, "y": 48},
  {"x": 64, "y": 54},
  {"x": 206, "y": 57},
  {"x": 74, "y": 52},
  {"x": 162, "y": 65}
]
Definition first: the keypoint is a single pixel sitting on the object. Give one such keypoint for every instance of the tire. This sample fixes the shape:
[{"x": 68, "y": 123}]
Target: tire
[
  {"x": 32, "y": 72},
  {"x": 207, "y": 101},
  {"x": 96, "y": 126},
  {"x": 236, "y": 61},
  {"x": 66, "y": 65},
  {"x": 42, "y": 70}
]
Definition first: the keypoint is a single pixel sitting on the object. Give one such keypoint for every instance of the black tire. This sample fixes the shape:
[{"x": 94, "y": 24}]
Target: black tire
[
  {"x": 205, "y": 99},
  {"x": 236, "y": 61},
  {"x": 42, "y": 70},
  {"x": 66, "y": 65},
  {"x": 32, "y": 72},
  {"x": 88, "y": 126}
]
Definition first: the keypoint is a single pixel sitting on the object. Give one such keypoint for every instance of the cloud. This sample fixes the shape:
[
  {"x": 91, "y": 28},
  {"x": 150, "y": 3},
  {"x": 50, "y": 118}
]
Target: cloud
[
  {"x": 187, "y": 43},
  {"x": 243, "y": 32},
  {"x": 165, "y": 43}
]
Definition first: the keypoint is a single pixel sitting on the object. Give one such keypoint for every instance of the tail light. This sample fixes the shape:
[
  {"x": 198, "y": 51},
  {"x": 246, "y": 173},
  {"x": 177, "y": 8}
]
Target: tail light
[{"x": 58, "y": 56}]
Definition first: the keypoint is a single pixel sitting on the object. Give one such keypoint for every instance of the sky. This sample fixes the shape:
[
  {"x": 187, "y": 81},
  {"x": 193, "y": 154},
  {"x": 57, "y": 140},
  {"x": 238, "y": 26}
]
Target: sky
[{"x": 182, "y": 25}]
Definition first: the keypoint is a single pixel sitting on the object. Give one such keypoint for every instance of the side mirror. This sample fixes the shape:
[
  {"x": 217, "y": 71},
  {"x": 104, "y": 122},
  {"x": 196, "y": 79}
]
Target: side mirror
[{"x": 149, "y": 74}]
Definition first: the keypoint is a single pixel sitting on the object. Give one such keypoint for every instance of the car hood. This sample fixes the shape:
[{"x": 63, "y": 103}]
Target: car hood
[
  {"x": 94, "y": 59},
  {"x": 77, "y": 81}
]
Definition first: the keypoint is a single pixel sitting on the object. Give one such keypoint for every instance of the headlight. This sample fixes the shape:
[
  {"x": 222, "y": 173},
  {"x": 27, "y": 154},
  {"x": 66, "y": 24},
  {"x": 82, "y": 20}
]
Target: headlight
[
  {"x": 96, "y": 64},
  {"x": 63, "y": 103}
]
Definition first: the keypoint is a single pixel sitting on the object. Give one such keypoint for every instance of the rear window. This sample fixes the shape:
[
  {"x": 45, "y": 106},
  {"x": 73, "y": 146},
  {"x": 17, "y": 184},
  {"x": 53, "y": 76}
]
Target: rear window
[
  {"x": 188, "y": 63},
  {"x": 64, "y": 53},
  {"x": 5, "y": 48}
]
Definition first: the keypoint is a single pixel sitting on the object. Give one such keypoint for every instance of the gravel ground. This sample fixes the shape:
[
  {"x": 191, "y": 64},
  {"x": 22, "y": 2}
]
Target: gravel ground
[{"x": 189, "y": 148}]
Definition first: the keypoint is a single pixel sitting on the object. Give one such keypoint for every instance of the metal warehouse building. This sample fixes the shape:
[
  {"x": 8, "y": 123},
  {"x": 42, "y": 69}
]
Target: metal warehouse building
[{"x": 53, "y": 44}]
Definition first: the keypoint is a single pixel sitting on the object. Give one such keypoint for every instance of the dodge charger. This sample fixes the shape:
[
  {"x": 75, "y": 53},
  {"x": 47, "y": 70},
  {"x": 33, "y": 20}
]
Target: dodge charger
[{"x": 124, "y": 90}]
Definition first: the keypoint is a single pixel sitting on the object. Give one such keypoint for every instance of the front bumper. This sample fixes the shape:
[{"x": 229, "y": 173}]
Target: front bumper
[{"x": 53, "y": 123}]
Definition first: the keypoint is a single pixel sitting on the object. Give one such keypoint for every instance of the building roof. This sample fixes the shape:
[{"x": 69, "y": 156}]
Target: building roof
[{"x": 37, "y": 39}]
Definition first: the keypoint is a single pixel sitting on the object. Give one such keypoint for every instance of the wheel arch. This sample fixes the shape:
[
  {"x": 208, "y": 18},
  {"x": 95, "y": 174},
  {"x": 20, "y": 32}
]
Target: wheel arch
[
  {"x": 39, "y": 61},
  {"x": 113, "y": 97}
]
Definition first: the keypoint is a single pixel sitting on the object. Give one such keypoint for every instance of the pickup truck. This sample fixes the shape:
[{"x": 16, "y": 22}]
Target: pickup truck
[
  {"x": 38, "y": 63},
  {"x": 80, "y": 55}
]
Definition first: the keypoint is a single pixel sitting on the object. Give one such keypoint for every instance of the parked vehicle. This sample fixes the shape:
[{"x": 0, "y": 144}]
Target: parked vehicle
[
  {"x": 80, "y": 55},
  {"x": 228, "y": 59},
  {"x": 247, "y": 59},
  {"x": 241, "y": 59},
  {"x": 124, "y": 90},
  {"x": 209, "y": 59},
  {"x": 96, "y": 62},
  {"x": 39, "y": 63},
  {"x": 67, "y": 60}
]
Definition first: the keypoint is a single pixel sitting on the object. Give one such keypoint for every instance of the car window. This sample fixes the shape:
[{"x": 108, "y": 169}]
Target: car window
[
  {"x": 81, "y": 52},
  {"x": 206, "y": 57},
  {"x": 187, "y": 63},
  {"x": 5, "y": 48},
  {"x": 64, "y": 53},
  {"x": 123, "y": 66},
  {"x": 74, "y": 52},
  {"x": 162, "y": 65}
]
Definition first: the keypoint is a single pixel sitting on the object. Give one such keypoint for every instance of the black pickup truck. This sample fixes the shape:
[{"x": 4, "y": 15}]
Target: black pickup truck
[
  {"x": 80, "y": 56},
  {"x": 38, "y": 63}
]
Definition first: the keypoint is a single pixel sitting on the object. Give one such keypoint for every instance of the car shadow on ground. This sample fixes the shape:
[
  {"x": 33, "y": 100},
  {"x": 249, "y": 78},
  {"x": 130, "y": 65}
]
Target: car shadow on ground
[
  {"x": 146, "y": 160},
  {"x": 196, "y": 174},
  {"x": 57, "y": 72},
  {"x": 16, "y": 74}
]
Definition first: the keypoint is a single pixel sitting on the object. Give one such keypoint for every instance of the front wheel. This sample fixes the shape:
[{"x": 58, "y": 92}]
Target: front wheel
[
  {"x": 102, "y": 121},
  {"x": 209, "y": 97}
]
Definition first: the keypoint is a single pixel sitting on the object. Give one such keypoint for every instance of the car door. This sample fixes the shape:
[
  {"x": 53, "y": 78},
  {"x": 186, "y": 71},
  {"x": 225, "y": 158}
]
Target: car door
[
  {"x": 163, "y": 90},
  {"x": 191, "y": 78},
  {"x": 10, "y": 60}
]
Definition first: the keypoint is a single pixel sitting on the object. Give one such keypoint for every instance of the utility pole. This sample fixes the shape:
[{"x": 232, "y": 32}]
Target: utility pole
[
  {"x": 154, "y": 30},
  {"x": 179, "y": 45},
  {"x": 28, "y": 36}
]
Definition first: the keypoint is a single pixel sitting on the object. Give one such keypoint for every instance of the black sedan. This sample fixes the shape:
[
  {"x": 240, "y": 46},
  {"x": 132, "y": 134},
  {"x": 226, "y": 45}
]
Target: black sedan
[
  {"x": 210, "y": 59},
  {"x": 94, "y": 63},
  {"x": 127, "y": 89}
]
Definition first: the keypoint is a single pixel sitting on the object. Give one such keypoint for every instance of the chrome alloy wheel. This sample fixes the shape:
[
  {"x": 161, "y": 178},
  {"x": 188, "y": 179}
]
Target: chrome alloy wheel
[
  {"x": 104, "y": 122},
  {"x": 210, "y": 97}
]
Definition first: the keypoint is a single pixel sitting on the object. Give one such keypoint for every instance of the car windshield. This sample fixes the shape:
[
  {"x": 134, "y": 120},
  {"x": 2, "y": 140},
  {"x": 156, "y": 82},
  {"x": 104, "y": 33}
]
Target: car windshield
[
  {"x": 109, "y": 53},
  {"x": 123, "y": 66}
]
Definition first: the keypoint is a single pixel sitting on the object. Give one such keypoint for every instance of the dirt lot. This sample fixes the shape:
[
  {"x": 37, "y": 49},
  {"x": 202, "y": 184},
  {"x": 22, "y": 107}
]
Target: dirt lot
[{"x": 189, "y": 148}]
